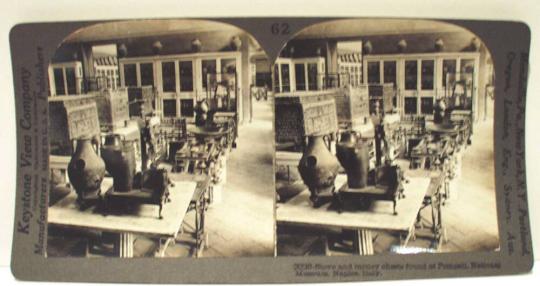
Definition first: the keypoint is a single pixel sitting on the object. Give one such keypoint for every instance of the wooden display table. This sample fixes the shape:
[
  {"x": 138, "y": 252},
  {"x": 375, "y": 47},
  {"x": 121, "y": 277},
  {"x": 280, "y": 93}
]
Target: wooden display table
[
  {"x": 201, "y": 198},
  {"x": 299, "y": 211},
  {"x": 142, "y": 221}
]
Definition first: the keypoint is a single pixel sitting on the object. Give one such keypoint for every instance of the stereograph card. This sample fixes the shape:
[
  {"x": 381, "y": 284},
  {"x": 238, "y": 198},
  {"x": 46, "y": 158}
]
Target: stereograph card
[{"x": 265, "y": 150}]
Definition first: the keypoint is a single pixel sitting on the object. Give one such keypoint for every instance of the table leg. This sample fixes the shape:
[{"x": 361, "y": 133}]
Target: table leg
[
  {"x": 363, "y": 242},
  {"x": 210, "y": 197},
  {"x": 440, "y": 226},
  {"x": 163, "y": 244},
  {"x": 404, "y": 238},
  {"x": 125, "y": 245},
  {"x": 434, "y": 220},
  {"x": 200, "y": 234}
]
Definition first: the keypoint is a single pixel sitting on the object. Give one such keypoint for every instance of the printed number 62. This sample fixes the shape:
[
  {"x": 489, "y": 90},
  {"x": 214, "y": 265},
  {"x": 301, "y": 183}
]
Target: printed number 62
[{"x": 280, "y": 29}]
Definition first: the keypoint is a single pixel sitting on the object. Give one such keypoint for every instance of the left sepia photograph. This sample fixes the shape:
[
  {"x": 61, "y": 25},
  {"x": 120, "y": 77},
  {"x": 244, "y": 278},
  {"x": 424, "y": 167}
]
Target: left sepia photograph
[{"x": 160, "y": 136}]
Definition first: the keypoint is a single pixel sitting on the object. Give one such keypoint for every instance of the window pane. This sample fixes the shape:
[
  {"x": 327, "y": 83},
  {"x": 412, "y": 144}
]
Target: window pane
[
  {"x": 426, "y": 105},
  {"x": 449, "y": 73},
  {"x": 467, "y": 66},
  {"x": 276, "y": 79},
  {"x": 59, "y": 81},
  {"x": 263, "y": 75},
  {"x": 312, "y": 76},
  {"x": 169, "y": 107},
  {"x": 373, "y": 71},
  {"x": 71, "y": 81},
  {"x": 390, "y": 72},
  {"x": 130, "y": 75},
  {"x": 208, "y": 67},
  {"x": 285, "y": 82},
  {"x": 186, "y": 76},
  {"x": 228, "y": 66},
  {"x": 410, "y": 105},
  {"x": 263, "y": 79},
  {"x": 228, "y": 73},
  {"x": 428, "y": 69},
  {"x": 186, "y": 107},
  {"x": 169, "y": 77},
  {"x": 411, "y": 75},
  {"x": 300, "y": 74},
  {"x": 467, "y": 79},
  {"x": 147, "y": 74}
]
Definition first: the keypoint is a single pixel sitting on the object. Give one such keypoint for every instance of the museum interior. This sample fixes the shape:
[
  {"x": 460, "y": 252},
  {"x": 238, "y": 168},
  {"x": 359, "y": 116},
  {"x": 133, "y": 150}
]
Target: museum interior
[
  {"x": 158, "y": 134},
  {"x": 384, "y": 140}
]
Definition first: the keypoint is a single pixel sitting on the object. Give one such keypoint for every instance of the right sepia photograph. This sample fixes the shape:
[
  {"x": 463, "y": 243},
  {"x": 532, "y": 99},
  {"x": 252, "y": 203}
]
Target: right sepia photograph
[{"x": 384, "y": 140}]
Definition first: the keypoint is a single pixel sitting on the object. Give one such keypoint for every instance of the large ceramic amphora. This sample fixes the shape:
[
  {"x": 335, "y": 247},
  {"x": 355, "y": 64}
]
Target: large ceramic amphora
[
  {"x": 86, "y": 169},
  {"x": 318, "y": 169},
  {"x": 354, "y": 157},
  {"x": 119, "y": 157}
]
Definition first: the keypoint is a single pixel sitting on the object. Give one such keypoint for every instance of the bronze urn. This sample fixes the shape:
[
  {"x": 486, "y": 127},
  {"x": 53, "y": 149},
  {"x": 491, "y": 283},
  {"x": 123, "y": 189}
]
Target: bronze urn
[
  {"x": 86, "y": 170},
  {"x": 354, "y": 158},
  {"x": 119, "y": 157},
  {"x": 318, "y": 169}
]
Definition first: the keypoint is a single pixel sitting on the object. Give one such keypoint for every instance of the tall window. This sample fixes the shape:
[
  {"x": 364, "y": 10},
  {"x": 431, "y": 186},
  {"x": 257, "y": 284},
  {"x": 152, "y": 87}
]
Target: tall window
[
  {"x": 130, "y": 75},
  {"x": 300, "y": 74},
  {"x": 71, "y": 80},
  {"x": 389, "y": 72},
  {"x": 313, "y": 76},
  {"x": 147, "y": 74},
  {"x": 169, "y": 77},
  {"x": 411, "y": 75},
  {"x": 59, "y": 81},
  {"x": 373, "y": 72},
  {"x": 186, "y": 75},
  {"x": 428, "y": 74}
]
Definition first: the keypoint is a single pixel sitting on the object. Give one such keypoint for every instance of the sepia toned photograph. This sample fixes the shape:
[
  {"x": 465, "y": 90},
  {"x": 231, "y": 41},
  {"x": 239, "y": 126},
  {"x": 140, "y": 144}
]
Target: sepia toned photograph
[
  {"x": 276, "y": 149},
  {"x": 384, "y": 140},
  {"x": 159, "y": 134}
]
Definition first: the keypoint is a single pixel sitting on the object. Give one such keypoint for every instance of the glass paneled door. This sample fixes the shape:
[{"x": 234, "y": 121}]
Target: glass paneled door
[
  {"x": 419, "y": 86},
  {"x": 218, "y": 80},
  {"x": 176, "y": 83}
]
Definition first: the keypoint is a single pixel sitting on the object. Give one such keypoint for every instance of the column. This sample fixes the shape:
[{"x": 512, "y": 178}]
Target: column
[
  {"x": 87, "y": 58},
  {"x": 332, "y": 68},
  {"x": 244, "y": 111}
]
